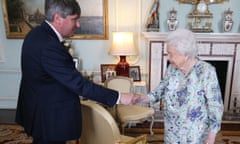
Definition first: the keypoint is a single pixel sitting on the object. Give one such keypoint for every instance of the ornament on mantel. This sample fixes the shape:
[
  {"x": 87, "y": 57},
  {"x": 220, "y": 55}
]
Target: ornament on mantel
[
  {"x": 228, "y": 22},
  {"x": 172, "y": 22},
  {"x": 200, "y": 19}
]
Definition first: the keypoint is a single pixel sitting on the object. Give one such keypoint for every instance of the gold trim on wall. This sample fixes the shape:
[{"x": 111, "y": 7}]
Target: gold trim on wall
[{"x": 196, "y": 1}]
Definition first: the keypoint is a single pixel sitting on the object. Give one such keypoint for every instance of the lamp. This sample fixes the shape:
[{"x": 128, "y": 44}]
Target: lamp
[{"x": 122, "y": 45}]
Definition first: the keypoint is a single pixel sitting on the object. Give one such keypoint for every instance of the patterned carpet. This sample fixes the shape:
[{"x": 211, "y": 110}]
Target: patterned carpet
[{"x": 14, "y": 134}]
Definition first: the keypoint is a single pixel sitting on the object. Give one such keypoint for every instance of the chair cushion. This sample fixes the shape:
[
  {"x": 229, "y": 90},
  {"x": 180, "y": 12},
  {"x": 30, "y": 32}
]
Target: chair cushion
[{"x": 134, "y": 112}]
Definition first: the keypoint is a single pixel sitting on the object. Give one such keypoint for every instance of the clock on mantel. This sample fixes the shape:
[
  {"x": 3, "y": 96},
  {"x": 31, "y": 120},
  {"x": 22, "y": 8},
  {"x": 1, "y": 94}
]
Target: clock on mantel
[{"x": 200, "y": 19}]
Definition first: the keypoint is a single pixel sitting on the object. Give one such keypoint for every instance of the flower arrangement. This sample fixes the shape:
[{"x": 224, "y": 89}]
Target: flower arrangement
[{"x": 68, "y": 46}]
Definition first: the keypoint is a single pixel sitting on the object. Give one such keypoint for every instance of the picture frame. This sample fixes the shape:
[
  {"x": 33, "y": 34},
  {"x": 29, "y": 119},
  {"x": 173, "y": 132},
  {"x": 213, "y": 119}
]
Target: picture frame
[
  {"x": 107, "y": 71},
  {"x": 22, "y": 16},
  {"x": 76, "y": 61},
  {"x": 134, "y": 72}
]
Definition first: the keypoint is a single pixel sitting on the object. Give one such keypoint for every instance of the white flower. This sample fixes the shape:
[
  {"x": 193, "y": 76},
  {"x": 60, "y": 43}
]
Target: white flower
[
  {"x": 67, "y": 44},
  {"x": 70, "y": 50}
]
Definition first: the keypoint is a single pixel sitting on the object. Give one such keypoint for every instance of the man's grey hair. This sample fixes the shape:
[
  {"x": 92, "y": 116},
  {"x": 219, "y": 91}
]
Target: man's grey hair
[
  {"x": 184, "y": 41},
  {"x": 62, "y": 7}
]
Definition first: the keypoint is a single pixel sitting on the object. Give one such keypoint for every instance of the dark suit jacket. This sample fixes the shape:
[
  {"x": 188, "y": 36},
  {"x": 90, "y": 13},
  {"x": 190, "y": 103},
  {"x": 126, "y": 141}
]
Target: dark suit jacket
[{"x": 48, "y": 104}]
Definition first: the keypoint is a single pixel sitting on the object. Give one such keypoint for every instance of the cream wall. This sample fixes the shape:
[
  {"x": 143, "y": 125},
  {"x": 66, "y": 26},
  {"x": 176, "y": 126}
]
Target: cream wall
[{"x": 123, "y": 15}]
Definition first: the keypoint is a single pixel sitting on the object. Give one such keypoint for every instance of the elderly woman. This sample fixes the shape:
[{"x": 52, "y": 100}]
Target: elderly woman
[{"x": 190, "y": 93}]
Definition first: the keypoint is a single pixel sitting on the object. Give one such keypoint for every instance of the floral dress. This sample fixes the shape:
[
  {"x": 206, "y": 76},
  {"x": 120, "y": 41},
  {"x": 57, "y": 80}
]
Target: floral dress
[{"x": 193, "y": 104}]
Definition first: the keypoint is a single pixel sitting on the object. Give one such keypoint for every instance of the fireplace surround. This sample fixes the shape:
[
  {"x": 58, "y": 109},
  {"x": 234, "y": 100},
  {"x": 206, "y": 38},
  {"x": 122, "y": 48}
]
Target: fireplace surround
[{"x": 220, "y": 49}]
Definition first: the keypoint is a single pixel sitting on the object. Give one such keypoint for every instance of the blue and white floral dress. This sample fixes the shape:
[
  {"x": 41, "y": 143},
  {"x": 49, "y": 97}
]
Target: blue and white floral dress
[{"x": 193, "y": 104}]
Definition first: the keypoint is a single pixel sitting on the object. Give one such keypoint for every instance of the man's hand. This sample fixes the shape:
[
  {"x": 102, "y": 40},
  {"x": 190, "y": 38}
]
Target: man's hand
[{"x": 130, "y": 99}]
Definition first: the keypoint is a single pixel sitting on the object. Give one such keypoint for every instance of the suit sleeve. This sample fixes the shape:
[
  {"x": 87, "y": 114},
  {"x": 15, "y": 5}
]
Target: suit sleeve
[{"x": 58, "y": 64}]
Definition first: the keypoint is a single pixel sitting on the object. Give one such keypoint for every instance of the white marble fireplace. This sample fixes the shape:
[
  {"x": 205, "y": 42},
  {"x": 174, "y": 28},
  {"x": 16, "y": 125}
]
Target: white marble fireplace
[{"x": 220, "y": 49}]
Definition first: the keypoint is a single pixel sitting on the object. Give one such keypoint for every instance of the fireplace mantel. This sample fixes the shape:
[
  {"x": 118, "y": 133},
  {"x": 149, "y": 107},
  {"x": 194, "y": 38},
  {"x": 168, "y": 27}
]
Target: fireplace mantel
[
  {"x": 231, "y": 37},
  {"x": 211, "y": 46}
]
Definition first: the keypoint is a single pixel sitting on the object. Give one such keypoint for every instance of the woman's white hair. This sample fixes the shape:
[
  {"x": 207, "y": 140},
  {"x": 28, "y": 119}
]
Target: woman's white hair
[{"x": 184, "y": 41}]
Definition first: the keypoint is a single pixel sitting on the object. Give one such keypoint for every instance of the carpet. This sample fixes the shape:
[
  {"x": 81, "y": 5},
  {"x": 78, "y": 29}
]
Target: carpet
[{"x": 14, "y": 134}]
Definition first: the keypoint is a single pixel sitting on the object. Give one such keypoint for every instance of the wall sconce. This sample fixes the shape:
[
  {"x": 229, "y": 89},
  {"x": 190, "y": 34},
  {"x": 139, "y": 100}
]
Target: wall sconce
[{"x": 122, "y": 45}]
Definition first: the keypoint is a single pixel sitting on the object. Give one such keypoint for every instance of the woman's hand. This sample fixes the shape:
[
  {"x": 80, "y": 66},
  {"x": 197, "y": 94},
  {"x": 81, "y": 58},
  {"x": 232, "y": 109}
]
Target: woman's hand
[
  {"x": 142, "y": 98},
  {"x": 210, "y": 138},
  {"x": 130, "y": 99}
]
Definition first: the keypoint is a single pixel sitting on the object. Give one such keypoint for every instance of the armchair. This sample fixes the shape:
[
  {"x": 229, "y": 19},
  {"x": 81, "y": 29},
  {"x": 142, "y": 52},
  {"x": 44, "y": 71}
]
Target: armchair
[
  {"x": 99, "y": 127},
  {"x": 126, "y": 114}
]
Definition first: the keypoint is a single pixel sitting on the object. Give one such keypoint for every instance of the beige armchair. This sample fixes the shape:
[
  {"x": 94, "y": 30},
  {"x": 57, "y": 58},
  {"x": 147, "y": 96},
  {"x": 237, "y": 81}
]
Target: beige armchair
[
  {"x": 99, "y": 127},
  {"x": 125, "y": 114}
]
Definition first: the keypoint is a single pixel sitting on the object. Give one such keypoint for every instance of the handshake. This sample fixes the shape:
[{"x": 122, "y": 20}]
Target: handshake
[{"x": 131, "y": 99}]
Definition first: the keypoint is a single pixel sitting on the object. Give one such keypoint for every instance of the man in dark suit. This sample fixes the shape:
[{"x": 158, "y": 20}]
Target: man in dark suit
[{"x": 48, "y": 105}]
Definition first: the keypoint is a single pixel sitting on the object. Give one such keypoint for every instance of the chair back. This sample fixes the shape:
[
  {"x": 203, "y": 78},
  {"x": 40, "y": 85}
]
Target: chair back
[
  {"x": 98, "y": 126},
  {"x": 120, "y": 83}
]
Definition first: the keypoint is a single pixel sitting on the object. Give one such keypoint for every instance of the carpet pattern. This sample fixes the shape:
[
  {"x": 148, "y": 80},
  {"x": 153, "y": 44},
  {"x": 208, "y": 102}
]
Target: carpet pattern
[{"x": 14, "y": 134}]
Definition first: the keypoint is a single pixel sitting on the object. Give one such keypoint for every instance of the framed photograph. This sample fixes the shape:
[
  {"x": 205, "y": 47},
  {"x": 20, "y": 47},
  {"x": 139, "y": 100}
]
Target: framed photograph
[
  {"x": 107, "y": 71},
  {"x": 76, "y": 62},
  {"x": 134, "y": 72},
  {"x": 20, "y": 16}
]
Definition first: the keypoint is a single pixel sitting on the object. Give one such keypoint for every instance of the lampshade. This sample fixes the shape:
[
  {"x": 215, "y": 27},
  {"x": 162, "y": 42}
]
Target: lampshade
[{"x": 123, "y": 44}]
